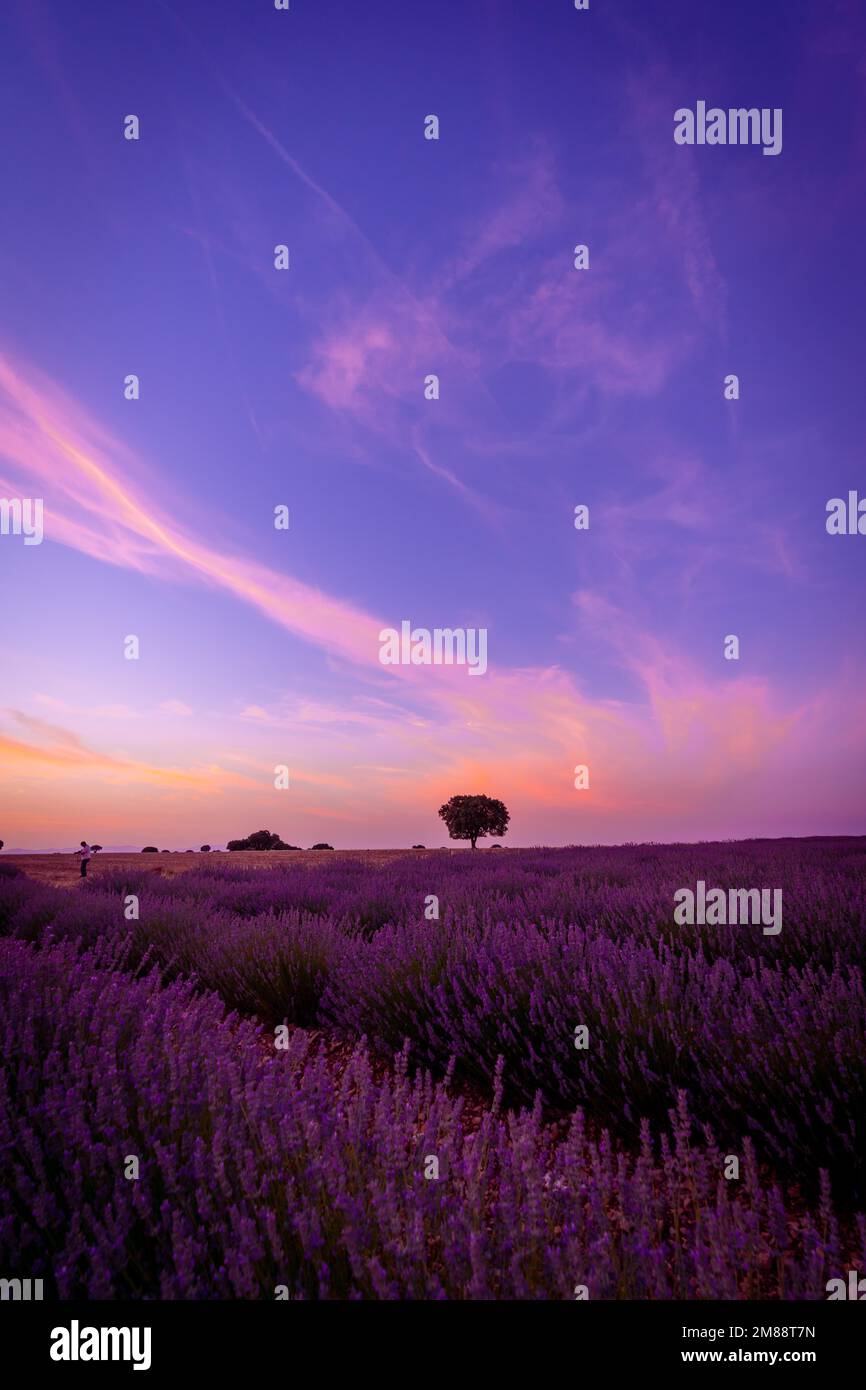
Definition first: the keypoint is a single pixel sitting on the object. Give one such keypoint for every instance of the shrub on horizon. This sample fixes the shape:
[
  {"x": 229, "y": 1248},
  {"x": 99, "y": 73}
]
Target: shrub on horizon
[
  {"x": 150, "y": 849},
  {"x": 260, "y": 840}
]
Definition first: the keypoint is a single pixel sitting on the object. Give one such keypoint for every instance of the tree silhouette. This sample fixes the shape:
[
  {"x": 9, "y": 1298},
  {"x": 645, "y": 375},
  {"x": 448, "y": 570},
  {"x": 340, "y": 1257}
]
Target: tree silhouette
[
  {"x": 260, "y": 839},
  {"x": 473, "y": 817}
]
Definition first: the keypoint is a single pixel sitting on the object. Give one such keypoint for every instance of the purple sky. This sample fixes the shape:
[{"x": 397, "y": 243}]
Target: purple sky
[{"x": 305, "y": 387}]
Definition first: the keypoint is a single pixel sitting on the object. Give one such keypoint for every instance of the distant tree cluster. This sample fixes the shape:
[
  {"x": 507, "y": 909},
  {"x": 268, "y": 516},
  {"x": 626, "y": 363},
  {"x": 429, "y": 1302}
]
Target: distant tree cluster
[
  {"x": 259, "y": 840},
  {"x": 262, "y": 840}
]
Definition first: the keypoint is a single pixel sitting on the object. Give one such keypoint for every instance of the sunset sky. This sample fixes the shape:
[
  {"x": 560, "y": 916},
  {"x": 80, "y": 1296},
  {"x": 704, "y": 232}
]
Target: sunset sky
[{"x": 305, "y": 387}]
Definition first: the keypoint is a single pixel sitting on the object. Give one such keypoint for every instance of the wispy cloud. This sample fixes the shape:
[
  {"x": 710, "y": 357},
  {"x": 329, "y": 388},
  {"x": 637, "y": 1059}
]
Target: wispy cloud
[
  {"x": 178, "y": 707},
  {"x": 93, "y": 503},
  {"x": 55, "y": 751}
]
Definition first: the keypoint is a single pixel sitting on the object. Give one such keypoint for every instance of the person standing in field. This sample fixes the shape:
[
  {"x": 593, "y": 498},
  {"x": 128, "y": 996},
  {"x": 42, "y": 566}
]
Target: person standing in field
[{"x": 84, "y": 854}]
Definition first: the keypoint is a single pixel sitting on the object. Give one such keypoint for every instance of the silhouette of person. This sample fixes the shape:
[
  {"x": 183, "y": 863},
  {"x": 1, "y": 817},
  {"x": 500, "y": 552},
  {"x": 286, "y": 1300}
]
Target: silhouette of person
[{"x": 84, "y": 854}]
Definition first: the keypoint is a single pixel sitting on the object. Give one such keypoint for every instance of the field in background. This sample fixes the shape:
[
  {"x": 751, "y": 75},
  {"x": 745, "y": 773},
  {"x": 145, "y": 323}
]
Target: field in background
[{"x": 63, "y": 869}]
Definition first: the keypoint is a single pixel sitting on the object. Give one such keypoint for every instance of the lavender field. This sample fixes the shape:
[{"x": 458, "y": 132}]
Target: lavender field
[{"x": 425, "y": 1125}]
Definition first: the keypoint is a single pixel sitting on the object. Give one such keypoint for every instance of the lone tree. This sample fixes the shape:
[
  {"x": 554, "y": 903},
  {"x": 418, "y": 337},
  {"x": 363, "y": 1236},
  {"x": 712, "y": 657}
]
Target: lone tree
[
  {"x": 473, "y": 817},
  {"x": 204, "y": 849}
]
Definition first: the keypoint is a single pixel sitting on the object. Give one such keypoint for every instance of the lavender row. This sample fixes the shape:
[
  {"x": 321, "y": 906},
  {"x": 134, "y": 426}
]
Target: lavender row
[{"x": 264, "y": 1174}]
